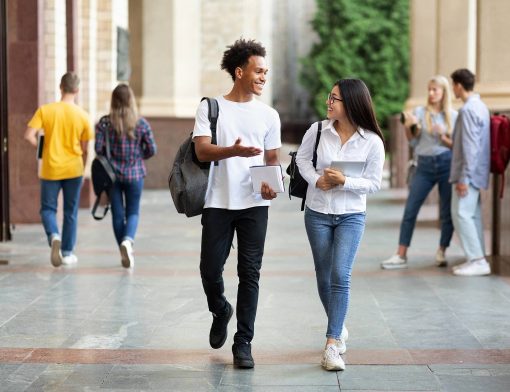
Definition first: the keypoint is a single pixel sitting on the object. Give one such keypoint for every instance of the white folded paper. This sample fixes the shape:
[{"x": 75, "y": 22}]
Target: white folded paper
[{"x": 272, "y": 175}]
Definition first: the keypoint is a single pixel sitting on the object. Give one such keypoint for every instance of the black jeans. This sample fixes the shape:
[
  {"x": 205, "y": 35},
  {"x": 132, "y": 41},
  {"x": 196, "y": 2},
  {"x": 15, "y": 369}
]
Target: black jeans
[{"x": 218, "y": 227}]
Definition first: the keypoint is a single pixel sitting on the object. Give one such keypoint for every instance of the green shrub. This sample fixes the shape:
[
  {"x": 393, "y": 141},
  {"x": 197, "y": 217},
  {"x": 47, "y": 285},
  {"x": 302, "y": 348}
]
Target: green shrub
[{"x": 366, "y": 39}]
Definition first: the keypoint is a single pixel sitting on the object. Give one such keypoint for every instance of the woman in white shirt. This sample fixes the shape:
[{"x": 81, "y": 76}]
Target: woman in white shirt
[{"x": 336, "y": 204}]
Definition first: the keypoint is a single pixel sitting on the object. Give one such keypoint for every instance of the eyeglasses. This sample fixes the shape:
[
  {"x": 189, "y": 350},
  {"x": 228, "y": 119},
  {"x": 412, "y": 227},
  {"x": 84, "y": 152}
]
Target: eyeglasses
[{"x": 331, "y": 99}]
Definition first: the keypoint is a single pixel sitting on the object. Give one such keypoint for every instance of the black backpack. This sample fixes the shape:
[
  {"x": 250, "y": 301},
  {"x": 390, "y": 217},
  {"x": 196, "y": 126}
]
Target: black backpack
[
  {"x": 103, "y": 177},
  {"x": 189, "y": 177},
  {"x": 298, "y": 185}
]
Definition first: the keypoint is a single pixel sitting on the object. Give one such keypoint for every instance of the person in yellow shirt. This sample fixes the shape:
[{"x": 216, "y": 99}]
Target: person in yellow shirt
[{"x": 66, "y": 128}]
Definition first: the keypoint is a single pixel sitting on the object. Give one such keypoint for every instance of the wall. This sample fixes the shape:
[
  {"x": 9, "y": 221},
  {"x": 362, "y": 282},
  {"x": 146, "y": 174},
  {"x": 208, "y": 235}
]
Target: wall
[{"x": 451, "y": 34}]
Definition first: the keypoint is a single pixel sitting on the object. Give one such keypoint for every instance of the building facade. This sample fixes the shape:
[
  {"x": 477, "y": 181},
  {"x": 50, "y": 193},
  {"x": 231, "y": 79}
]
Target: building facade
[{"x": 175, "y": 49}]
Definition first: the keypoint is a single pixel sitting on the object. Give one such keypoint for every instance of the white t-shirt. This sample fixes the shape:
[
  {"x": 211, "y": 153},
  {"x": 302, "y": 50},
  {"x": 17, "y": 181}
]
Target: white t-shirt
[{"x": 258, "y": 125}]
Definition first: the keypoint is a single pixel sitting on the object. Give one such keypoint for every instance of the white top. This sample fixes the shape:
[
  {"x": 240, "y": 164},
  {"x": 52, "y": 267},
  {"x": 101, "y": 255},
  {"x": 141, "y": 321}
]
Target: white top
[
  {"x": 350, "y": 197},
  {"x": 258, "y": 125}
]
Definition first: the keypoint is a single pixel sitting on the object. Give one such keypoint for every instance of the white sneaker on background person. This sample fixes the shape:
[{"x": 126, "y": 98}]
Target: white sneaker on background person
[
  {"x": 331, "y": 359},
  {"x": 340, "y": 343},
  {"x": 478, "y": 267},
  {"x": 69, "y": 259},
  {"x": 461, "y": 265},
  {"x": 126, "y": 254},
  {"x": 394, "y": 262}
]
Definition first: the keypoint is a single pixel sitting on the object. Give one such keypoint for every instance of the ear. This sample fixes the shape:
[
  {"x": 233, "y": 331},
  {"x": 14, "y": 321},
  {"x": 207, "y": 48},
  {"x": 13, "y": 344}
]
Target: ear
[{"x": 239, "y": 73}]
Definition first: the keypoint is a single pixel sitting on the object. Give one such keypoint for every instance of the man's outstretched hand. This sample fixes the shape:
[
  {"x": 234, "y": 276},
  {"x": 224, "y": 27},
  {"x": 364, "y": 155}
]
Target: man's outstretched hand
[{"x": 244, "y": 151}]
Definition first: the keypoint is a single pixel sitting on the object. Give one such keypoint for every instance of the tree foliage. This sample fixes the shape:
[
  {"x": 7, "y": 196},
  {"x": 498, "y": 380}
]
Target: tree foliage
[{"x": 365, "y": 39}]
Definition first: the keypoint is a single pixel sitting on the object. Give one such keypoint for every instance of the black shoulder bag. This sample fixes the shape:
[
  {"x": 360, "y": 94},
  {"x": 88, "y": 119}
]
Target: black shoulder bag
[
  {"x": 103, "y": 177},
  {"x": 298, "y": 185}
]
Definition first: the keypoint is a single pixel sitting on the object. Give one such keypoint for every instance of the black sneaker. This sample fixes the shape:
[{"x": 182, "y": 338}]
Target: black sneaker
[
  {"x": 218, "y": 333},
  {"x": 242, "y": 355}
]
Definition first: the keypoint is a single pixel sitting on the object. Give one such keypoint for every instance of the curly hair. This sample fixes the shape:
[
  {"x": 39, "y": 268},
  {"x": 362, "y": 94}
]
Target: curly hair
[{"x": 238, "y": 54}]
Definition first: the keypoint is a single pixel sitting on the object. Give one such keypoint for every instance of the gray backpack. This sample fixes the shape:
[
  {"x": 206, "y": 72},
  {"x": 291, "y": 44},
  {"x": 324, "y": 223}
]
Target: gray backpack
[{"x": 188, "y": 177}]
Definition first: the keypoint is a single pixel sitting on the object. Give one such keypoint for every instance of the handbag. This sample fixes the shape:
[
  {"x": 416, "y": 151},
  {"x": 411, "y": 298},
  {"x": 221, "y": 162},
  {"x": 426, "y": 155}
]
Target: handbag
[
  {"x": 412, "y": 165},
  {"x": 103, "y": 177},
  {"x": 298, "y": 186}
]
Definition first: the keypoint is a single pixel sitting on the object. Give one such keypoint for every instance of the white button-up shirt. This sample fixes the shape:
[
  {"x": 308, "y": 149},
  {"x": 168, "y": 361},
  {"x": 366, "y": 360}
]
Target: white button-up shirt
[{"x": 351, "y": 197}]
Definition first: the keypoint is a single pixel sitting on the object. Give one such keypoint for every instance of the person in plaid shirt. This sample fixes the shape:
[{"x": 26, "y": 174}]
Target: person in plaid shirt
[{"x": 131, "y": 141}]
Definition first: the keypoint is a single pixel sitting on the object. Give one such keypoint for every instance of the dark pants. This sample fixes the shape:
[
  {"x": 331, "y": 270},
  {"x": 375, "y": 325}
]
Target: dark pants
[{"x": 218, "y": 227}]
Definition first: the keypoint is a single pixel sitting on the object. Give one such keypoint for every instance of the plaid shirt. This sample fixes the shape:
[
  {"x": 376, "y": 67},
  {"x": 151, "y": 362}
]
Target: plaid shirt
[{"x": 126, "y": 155}]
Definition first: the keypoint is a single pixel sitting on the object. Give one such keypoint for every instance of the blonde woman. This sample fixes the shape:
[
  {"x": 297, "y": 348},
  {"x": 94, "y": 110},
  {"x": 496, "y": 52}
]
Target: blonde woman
[
  {"x": 428, "y": 129},
  {"x": 131, "y": 141}
]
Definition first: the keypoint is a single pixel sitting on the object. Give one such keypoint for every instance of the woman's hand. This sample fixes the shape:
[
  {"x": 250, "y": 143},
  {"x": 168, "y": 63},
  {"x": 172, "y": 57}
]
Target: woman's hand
[
  {"x": 438, "y": 130},
  {"x": 409, "y": 119},
  {"x": 323, "y": 184},
  {"x": 330, "y": 179},
  {"x": 334, "y": 176},
  {"x": 446, "y": 140}
]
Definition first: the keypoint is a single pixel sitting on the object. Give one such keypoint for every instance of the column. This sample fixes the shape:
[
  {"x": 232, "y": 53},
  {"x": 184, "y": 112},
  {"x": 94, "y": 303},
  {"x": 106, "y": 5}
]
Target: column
[{"x": 168, "y": 73}]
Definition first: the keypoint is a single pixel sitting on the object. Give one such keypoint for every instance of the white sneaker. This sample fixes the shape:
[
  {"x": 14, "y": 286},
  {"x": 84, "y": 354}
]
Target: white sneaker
[
  {"x": 340, "y": 343},
  {"x": 56, "y": 255},
  {"x": 478, "y": 267},
  {"x": 394, "y": 262},
  {"x": 331, "y": 359},
  {"x": 70, "y": 259},
  {"x": 440, "y": 258},
  {"x": 461, "y": 265},
  {"x": 126, "y": 254}
]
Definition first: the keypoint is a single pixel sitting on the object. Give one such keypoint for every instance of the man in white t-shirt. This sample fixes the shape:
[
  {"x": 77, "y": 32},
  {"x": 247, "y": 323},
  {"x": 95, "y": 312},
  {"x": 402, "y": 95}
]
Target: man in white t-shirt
[{"x": 248, "y": 134}]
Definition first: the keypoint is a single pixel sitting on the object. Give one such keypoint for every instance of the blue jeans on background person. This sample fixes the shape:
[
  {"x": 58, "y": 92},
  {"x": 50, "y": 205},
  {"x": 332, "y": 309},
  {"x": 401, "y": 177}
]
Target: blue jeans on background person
[
  {"x": 334, "y": 240},
  {"x": 50, "y": 189},
  {"x": 125, "y": 204},
  {"x": 467, "y": 219},
  {"x": 431, "y": 170}
]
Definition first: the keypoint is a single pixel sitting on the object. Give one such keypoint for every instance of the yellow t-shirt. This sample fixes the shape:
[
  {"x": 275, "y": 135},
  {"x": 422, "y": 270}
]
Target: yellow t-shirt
[{"x": 65, "y": 125}]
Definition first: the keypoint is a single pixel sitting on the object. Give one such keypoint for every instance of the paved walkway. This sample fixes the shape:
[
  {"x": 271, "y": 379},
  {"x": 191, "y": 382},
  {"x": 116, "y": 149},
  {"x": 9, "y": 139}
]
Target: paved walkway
[{"x": 98, "y": 327}]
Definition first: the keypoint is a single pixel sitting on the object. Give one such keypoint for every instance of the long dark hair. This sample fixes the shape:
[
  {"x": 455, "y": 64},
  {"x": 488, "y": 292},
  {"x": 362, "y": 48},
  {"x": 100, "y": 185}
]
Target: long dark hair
[
  {"x": 358, "y": 105},
  {"x": 123, "y": 111}
]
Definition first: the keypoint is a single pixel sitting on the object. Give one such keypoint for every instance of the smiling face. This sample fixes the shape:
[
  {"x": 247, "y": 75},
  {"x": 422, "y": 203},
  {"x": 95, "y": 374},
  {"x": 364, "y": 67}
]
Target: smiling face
[
  {"x": 252, "y": 77},
  {"x": 335, "y": 106},
  {"x": 435, "y": 94}
]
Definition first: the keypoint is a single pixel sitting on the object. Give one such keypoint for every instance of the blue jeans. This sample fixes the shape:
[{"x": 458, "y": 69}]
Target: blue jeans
[
  {"x": 125, "y": 202},
  {"x": 431, "y": 170},
  {"x": 334, "y": 240},
  {"x": 467, "y": 219},
  {"x": 49, "y": 201}
]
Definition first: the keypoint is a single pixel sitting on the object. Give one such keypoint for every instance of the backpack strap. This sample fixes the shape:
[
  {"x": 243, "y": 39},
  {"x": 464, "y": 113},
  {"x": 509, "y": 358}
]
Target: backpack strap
[
  {"x": 213, "y": 113},
  {"x": 314, "y": 159},
  {"x": 107, "y": 141},
  {"x": 317, "y": 139},
  {"x": 96, "y": 205}
]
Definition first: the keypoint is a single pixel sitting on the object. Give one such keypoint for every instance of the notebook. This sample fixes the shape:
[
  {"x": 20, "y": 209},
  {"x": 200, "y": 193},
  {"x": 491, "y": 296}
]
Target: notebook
[
  {"x": 270, "y": 174},
  {"x": 349, "y": 168}
]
